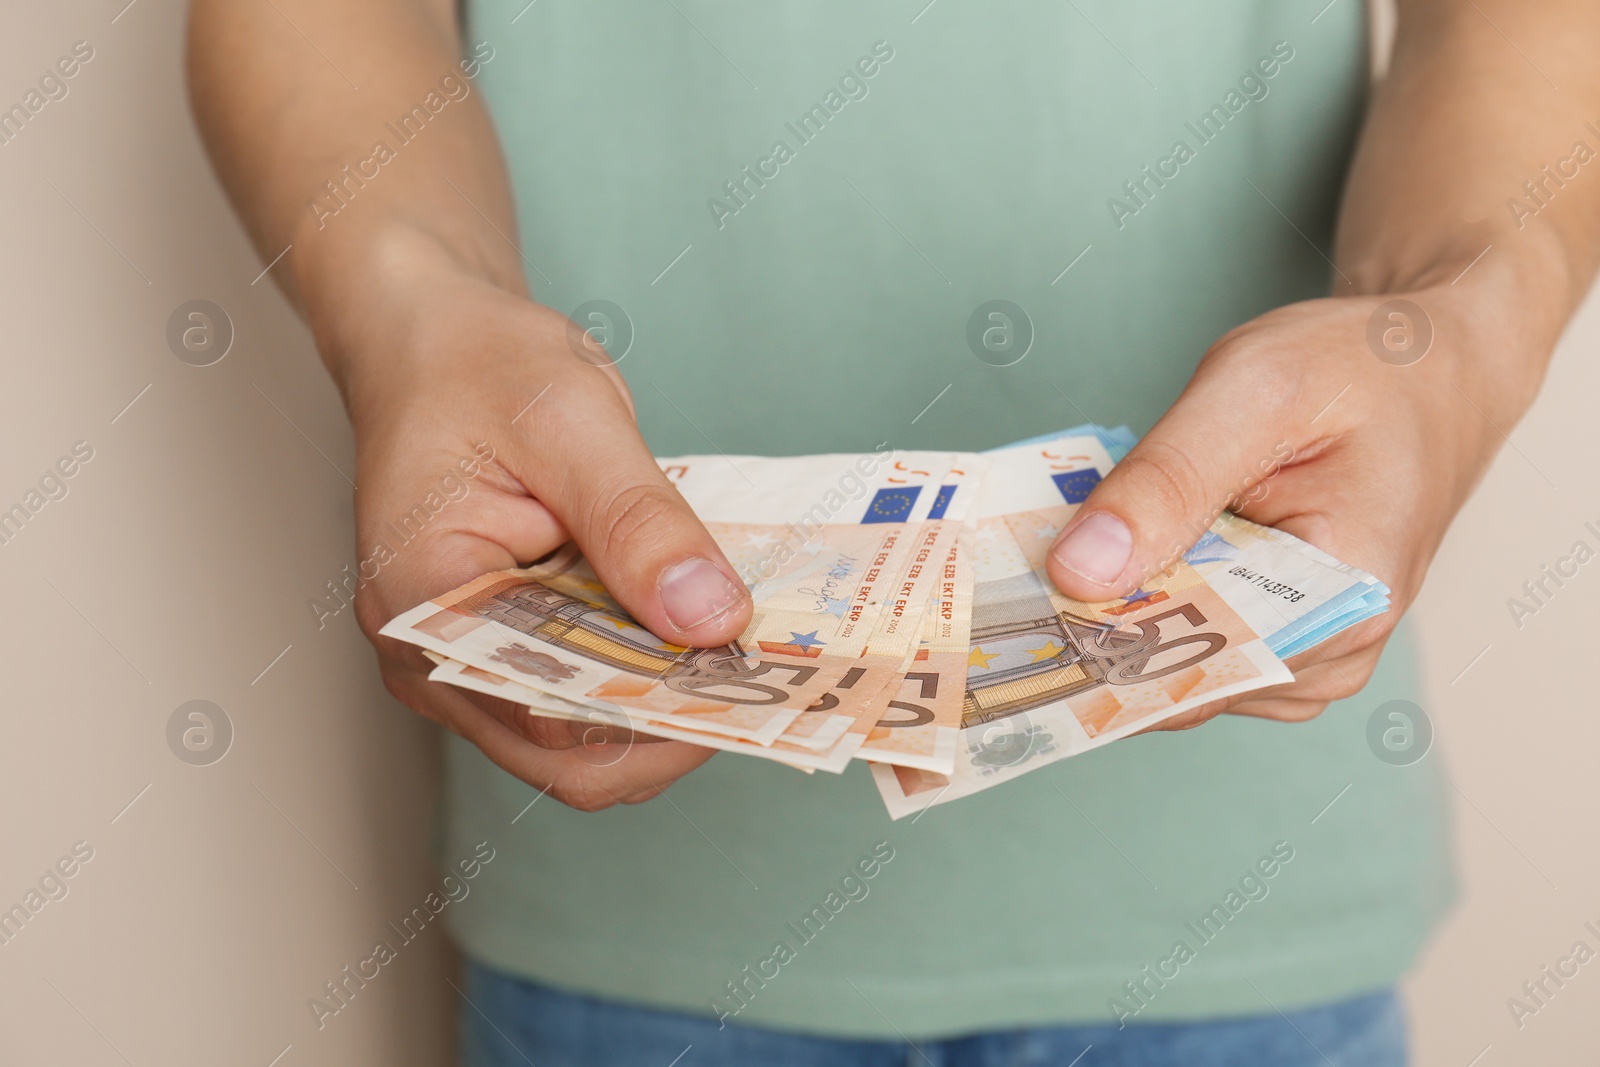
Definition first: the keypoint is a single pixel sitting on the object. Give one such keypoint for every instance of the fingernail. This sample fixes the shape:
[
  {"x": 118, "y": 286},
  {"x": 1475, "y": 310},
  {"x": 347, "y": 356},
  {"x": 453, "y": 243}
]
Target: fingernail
[
  {"x": 695, "y": 592},
  {"x": 1098, "y": 548}
]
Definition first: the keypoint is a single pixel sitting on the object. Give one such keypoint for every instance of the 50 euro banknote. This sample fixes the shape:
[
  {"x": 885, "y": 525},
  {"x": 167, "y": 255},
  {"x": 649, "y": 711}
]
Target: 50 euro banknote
[
  {"x": 820, "y": 540},
  {"x": 1295, "y": 597},
  {"x": 920, "y": 726},
  {"x": 1048, "y": 676},
  {"x": 1294, "y": 593},
  {"x": 904, "y": 721},
  {"x": 913, "y": 720},
  {"x": 910, "y": 725},
  {"x": 834, "y": 757}
]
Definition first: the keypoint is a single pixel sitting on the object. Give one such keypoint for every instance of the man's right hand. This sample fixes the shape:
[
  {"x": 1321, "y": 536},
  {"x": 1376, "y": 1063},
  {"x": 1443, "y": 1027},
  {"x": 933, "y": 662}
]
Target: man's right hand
[
  {"x": 412, "y": 282},
  {"x": 477, "y": 366}
]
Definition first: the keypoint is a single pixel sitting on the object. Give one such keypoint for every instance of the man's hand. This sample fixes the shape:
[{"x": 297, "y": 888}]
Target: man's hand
[
  {"x": 416, "y": 296},
  {"x": 477, "y": 368},
  {"x": 1293, "y": 421}
]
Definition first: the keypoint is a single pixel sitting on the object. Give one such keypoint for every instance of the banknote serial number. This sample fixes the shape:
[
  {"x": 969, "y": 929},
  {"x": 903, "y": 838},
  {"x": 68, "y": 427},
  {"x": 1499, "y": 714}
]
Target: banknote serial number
[{"x": 1267, "y": 585}]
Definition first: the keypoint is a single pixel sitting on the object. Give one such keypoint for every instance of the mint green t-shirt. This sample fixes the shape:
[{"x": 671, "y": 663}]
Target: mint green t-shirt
[{"x": 782, "y": 216}]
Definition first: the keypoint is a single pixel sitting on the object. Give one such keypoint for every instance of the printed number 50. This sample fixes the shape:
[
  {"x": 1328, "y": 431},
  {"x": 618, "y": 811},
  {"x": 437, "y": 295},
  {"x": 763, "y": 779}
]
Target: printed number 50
[{"x": 1131, "y": 662}]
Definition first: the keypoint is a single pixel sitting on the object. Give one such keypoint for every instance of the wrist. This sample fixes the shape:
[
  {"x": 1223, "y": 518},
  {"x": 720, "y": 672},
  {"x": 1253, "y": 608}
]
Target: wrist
[
  {"x": 1496, "y": 299},
  {"x": 369, "y": 291},
  {"x": 1501, "y": 316}
]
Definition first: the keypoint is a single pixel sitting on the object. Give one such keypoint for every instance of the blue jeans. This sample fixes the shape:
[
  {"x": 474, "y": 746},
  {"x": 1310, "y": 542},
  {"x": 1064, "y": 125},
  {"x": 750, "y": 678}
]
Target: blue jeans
[{"x": 508, "y": 1022}]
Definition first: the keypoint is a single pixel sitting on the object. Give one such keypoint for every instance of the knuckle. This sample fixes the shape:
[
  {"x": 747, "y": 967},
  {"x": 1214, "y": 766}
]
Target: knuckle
[
  {"x": 546, "y": 732},
  {"x": 392, "y": 683},
  {"x": 587, "y": 397},
  {"x": 1169, "y": 473},
  {"x": 1376, "y": 639},
  {"x": 1273, "y": 369},
  {"x": 1303, "y": 710},
  {"x": 1318, "y": 528},
  {"x": 634, "y": 514},
  {"x": 406, "y": 692},
  {"x": 580, "y": 405},
  {"x": 1349, "y": 685},
  {"x": 1273, "y": 372},
  {"x": 581, "y": 794},
  {"x": 1289, "y": 709},
  {"x": 369, "y": 613},
  {"x": 1350, "y": 678}
]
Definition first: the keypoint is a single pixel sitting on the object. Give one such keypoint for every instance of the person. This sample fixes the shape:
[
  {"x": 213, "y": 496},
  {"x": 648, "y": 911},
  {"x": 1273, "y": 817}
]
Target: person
[{"x": 1321, "y": 301}]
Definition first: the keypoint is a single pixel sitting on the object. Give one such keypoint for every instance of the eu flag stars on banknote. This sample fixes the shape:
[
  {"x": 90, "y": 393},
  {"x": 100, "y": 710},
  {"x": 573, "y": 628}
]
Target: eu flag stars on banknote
[{"x": 903, "y": 616}]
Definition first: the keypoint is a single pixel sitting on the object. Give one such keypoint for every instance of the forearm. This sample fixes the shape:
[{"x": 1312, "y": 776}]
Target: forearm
[
  {"x": 282, "y": 120},
  {"x": 1464, "y": 118}
]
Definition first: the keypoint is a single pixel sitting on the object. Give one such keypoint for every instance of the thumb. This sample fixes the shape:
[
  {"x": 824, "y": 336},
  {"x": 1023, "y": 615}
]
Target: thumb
[
  {"x": 593, "y": 470},
  {"x": 1160, "y": 499}
]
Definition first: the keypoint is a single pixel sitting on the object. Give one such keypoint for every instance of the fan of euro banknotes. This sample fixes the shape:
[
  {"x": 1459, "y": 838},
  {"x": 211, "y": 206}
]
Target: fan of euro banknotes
[{"x": 903, "y": 617}]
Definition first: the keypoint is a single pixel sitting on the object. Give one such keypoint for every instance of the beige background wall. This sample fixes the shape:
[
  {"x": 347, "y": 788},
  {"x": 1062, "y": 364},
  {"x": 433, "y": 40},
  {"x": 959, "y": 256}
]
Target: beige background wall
[{"x": 178, "y": 567}]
